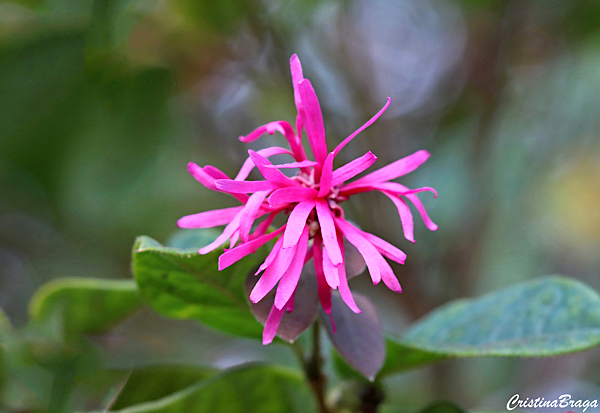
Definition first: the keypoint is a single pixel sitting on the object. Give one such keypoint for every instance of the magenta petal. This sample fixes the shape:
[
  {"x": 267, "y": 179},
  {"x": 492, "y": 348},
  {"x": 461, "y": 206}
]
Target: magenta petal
[
  {"x": 297, "y": 77},
  {"x": 331, "y": 271},
  {"x": 343, "y": 281},
  {"x": 249, "y": 214},
  {"x": 294, "y": 141},
  {"x": 328, "y": 232},
  {"x": 326, "y": 175},
  {"x": 399, "y": 189},
  {"x": 375, "y": 262},
  {"x": 285, "y": 129},
  {"x": 233, "y": 255},
  {"x": 362, "y": 128},
  {"x": 262, "y": 228},
  {"x": 296, "y": 222},
  {"x": 249, "y": 165},
  {"x": 392, "y": 187},
  {"x": 272, "y": 324},
  {"x": 292, "y": 195},
  {"x": 271, "y": 257},
  {"x": 405, "y": 216},
  {"x": 227, "y": 233},
  {"x": 323, "y": 289},
  {"x": 244, "y": 187},
  {"x": 389, "y": 279},
  {"x": 426, "y": 220},
  {"x": 395, "y": 169},
  {"x": 313, "y": 121},
  {"x": 201, "y": 176},
  {"x": 385, "y": 248},
  {"x": 301, "y": 164},
  {"x": 270, "y": 174},
  {"x": 234, "y": 238},
  {"x": 209, "y": 219},
  {"x": 353, "y": 168},
  {"x": 273, "y": 274},
  {"x": 255, "y": 134},
  {"x": 289, "y": 281}
]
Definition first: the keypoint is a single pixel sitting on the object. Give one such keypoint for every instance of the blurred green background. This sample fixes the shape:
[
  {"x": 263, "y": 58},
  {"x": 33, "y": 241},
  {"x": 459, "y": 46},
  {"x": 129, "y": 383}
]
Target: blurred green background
[{"x": 103, "y": 103}]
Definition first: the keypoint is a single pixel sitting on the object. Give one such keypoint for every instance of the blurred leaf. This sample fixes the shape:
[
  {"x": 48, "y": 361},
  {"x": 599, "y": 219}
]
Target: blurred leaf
[
  {"x": 184, "y": 284},
  {"x": 112, "y": 20},
  {"x": 221, "y": 17},
  {"x": 543, "y": 317},
  {"x": 85, "y": 305},
  {"x": 358, "y": 337},
  {"x": 401, "y": 356},
  {"x": 192, "y": 239},
  {"x": 246, "y": 389},
  {"x": 151, "y": 383},
  {"x": 442, "y": 407},
  {"x": 306, "y": 305},
  {"x": 547, "y": 316}
]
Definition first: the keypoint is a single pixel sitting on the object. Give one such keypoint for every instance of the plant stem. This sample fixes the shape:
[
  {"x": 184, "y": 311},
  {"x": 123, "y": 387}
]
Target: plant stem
[{"x": 314, "y": 369}]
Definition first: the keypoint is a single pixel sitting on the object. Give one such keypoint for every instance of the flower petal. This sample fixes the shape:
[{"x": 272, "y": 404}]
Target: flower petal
[
  {"x": 395, "y": 169},
  {"x": 328, "y": 232},
  {"x": 301, "y": 164},
  {"x": 272, "y": 175},
  {"x": 426, "y": 220},
  {"x": 385, "y": 248},
  {"x": 225, "y": 235},
  {"x": 233, "y": 255},
  {"x": 353, "y": 168},
  {"x": 272, "y": 324},
  {"x": 273, "y": 273},
  {"x": 331, "y": 271},
  {"x": 209, "y": 219},
  {"x": 297, "y": 77},
  {"x": 326, "y": 175},
  {"x": 271, "y": 257},
  {"x": 290, "y": 278},
  {"x": 292, "y": 195},
  {"x": 249, "y": 214},
  {"x": 405, "y": 216},
  {"x": 248, "y": 165},
  {"x": 392, "y": 187},
  {"x": 411, "y": 195},
  {"x": 262, "y": 228},
  {"x": 362, "y": 128},
  {"x": 343, "y": 280},
  {"x": 323, "y": 289},
  {"x": 208, "y": 175},
  {"x": 244, "y": 187},
  {"x": 296, "y": 222},
  {"x": 313, "y": 121},
  {"x": 375, "y": 262},
  {"x": 285, "y": 129}
]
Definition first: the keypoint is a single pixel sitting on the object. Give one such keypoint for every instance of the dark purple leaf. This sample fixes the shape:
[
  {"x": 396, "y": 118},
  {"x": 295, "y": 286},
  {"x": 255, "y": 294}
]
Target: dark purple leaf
[
  {"x": 306, "y": 304},
  {"x": 358, "y": 337},
  {"x": 355, "y": 264}
]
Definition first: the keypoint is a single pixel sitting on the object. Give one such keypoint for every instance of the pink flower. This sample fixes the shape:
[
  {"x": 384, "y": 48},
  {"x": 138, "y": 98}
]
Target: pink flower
[{"x": 316, "y": 225}]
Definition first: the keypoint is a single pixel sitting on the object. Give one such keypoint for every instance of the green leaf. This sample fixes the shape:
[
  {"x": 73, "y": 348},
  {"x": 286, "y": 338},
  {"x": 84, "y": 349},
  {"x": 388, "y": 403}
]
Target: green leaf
[
  {"x": 151, "y": 383},
  {"x": 542, "y": 317},
  {"x": 186, "y": 285},
  {"x": 246, "y": 389},
  {"x": 401, "y": 356},
  {"x": 85, "y": 305}
]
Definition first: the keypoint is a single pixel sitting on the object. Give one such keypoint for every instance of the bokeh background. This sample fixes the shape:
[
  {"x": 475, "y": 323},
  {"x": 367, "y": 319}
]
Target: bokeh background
[{"x": 104, "y": 102}]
